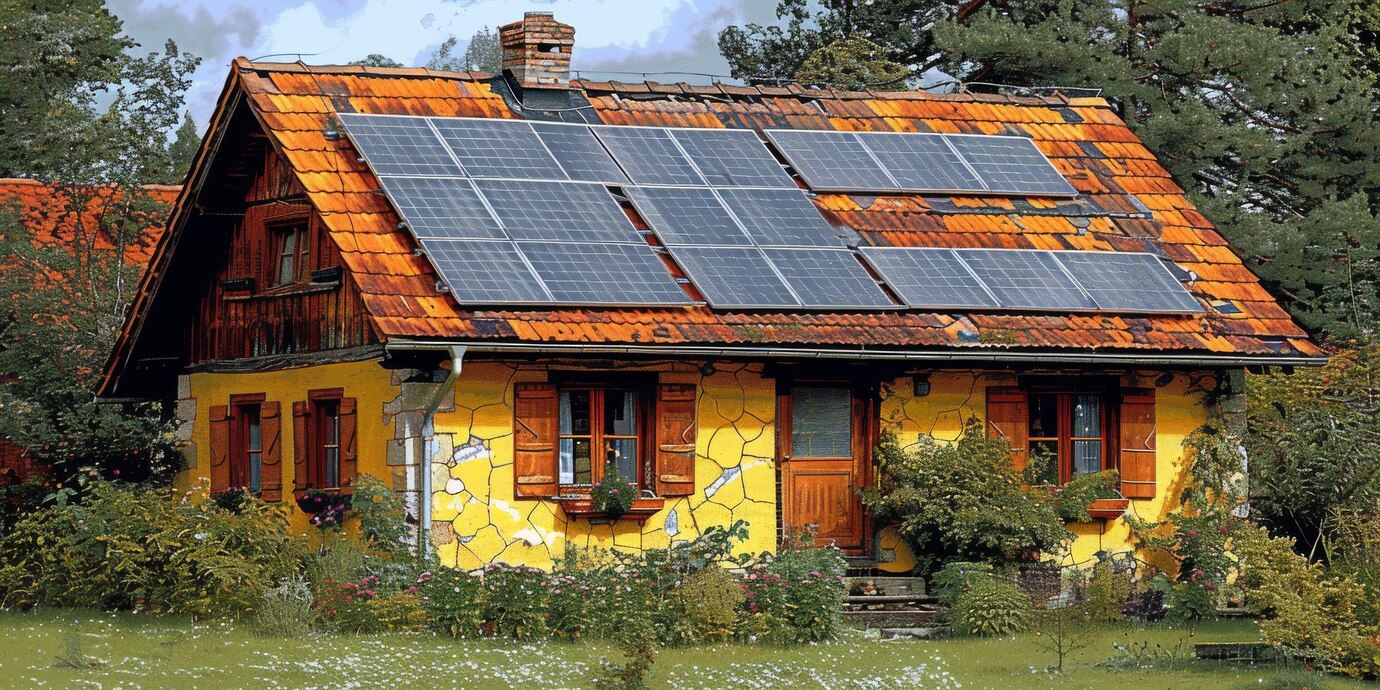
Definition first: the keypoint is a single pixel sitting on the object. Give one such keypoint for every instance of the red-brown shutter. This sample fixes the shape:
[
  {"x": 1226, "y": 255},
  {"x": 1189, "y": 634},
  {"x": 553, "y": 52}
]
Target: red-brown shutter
[
  {"x": 1008, "y": 417},
  {"x": 536, "y": 430},
  {"x": 220, "y": 447},
  {"x": 675, "y": 439},
  {"x": 301, "y": 453},
  {"x": 271, "y": 433},
  {"x": 349, "y": 453},
  {"x": 1137, "y": 443}
]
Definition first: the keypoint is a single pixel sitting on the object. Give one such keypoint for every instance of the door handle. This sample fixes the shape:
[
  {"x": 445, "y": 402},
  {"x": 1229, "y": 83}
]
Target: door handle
[{"x": 785, "y": 458}]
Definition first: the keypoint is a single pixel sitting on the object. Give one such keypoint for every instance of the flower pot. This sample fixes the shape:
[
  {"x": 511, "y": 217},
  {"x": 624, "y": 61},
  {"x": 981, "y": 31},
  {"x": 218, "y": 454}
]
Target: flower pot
[
  {"x": 314, "y": 502},
  {"x": 583, "y": 508},
  {"x": 1108, "y": 508}
]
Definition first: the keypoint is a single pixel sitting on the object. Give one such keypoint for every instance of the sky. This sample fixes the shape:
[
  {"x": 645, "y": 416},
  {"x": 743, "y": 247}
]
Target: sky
[{"x": 636, "y": 35}]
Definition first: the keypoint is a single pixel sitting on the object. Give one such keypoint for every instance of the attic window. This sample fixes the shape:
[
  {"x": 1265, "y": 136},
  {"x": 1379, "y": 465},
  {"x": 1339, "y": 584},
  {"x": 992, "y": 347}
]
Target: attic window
[{"x": 293, "y": 254}]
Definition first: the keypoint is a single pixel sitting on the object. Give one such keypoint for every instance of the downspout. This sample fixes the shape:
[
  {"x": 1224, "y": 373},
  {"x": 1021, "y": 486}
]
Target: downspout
[{"x": 428, "y": 431}]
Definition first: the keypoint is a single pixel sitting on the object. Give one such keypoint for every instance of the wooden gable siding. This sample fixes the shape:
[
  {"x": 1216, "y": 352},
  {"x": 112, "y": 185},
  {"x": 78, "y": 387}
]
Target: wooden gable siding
[{"x": 267, "y": 320}]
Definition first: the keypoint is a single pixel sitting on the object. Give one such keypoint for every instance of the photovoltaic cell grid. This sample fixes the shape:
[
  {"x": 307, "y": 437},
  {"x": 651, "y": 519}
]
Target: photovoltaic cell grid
[
  {"x": 782, "y": 218},
  {"x": 922, "y": 161},
  {"x": 734, "y": 277},
  {"x": 1027, "y": 279},
  {"x": 649, "y": 155},
  {"x": 828, "y": 278},
  {"x": 732, "y": 158},
  {"x": 558, "y": 211},
  {"x": 498, "y": 148},
  {"x": 1128, "y": 282},
  {"x": 486, "y": 272},
  {"x": 399, "y": 145},
  {"x": 1011, "y": 165},
  {"x": 579, "y": 152},
  {"x": 928, "y": 277},
  {"x": 603, "y": 273},
  {"x": 831, "y": 160},
  {"x": 687, "y": 216},
  {"x": 442, "y": 207}
]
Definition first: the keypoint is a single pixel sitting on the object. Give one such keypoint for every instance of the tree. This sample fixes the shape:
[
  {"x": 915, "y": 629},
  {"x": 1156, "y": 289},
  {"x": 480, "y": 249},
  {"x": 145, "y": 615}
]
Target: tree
[
  {"x": 483, "y": 53},
  {"x": 853, "y": 63},
  {"x": 181, "y": 150},
  {"x": 1062, "y": 630},
  {"x": 773, "y": 53},
  {"x": 377, "y": 60}
]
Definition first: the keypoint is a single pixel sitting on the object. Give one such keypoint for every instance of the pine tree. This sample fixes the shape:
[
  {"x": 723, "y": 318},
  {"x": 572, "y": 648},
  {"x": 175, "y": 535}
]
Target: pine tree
[
  {"x": 181, "y": 150},
  {"x": 376, "y": 60},
  {"x": 482, "y": 54}
]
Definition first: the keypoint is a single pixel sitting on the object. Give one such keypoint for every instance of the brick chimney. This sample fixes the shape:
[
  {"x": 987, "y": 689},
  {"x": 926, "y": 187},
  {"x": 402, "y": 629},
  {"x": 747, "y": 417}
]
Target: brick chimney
[{"x": 537, "y": 49}]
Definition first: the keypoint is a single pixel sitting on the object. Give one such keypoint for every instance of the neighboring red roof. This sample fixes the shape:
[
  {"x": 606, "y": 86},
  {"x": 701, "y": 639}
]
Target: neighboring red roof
[
  {"x": 1120, "y": 180},
  {"x": 48, "y": 211}
]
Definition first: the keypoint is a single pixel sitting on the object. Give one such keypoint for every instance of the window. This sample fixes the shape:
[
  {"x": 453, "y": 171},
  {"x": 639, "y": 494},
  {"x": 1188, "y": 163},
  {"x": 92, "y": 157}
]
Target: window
[
  {"x": 293, "y": 257},
  {"x": 1066, "y": 435},
  {"x": 600, "y": 432},
  {"x": 246, "y": 442},
  {"x": 323, "y": 467}
]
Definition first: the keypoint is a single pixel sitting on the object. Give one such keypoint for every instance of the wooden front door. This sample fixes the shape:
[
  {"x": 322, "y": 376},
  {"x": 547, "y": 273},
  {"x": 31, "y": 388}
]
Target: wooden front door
[{"x": 823, "y": 460}]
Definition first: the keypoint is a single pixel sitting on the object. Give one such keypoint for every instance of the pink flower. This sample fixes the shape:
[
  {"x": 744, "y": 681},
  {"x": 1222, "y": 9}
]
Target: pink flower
[{"x": 349, "y": 598}]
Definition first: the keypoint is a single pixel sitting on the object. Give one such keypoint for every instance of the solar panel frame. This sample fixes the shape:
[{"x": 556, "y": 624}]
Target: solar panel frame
[
  {"x": 419, "y": 202},
  {"x": 816, "y": 155},
  {"x": 912, "y": 158},
  {"x": 735, "y": 277},
  {"x": 687, "y": 216},
  {"x": 782, "y": 218},
  {"x": 1025, "y": 279},
  {"x": 486, "y": 272},
  {"x": 728, "y": 157},
  {"x": 1131, "y": 282},
  {"x": 579, "y": 152},
  {"x": 829, "y": 279},
  {"x": 400, "y": 145},
  {"x": 1011, "y": 165},
  {"x": 498, "y": 148},
  {"x": 558, "y": 211},
  {"x": 649, "y": 155},
  {"x": 953, "y": 284},
  {"x": 582, "y": 273}
]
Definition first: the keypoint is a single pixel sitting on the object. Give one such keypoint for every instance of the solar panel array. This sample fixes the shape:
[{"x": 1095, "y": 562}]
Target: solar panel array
[
  {"x": 517, "y": 213},
  {"x": 876, "y": 162},
  {"x": 1021, "y": 279}
]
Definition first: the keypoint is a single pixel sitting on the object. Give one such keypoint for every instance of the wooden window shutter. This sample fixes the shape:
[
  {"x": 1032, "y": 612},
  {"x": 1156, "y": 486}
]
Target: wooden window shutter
[
  {"x": 1136, "y": 443},
  {"x": 349, "y": 452},
  {"x": 301, "y": 452},
  {"x": 536, "y": 430},
  {"x": 271, "y": 433},
  {"x": 675, "y": 439},
  {"x": 220, "y": 447},
  {"x": 1008, "y": 417}
]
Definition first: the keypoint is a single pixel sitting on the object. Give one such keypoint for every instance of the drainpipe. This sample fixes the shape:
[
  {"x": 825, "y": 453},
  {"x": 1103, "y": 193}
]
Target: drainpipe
[{"x": 457, "y": 357}]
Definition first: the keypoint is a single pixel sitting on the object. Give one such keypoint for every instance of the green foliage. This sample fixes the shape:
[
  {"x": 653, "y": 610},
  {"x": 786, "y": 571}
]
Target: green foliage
[
  {"x": 451, "y": 600},
  {"x": 135, "y": 548},
  {"x": 18, "y": 499},
  {"x": 796, "y": 596},
  {"x": 613, "y": 494},
  {"x": 951, "y": 580},
  {"x": 382, "y": 516},
  {"x": 962, "y": 500},
  {"x": 1073, "y": 498},
  {"x": 853, "y": 63},
  {"x": 989, "y": 606},
  {"x": 376, "y": 60},
  {"x": 181, "y": 151},
  {"x": 1063, "y": 630},
  {"x": 1354, "y": 552},
  {"x": 1107, "y": 593},
  {"x": 711, "y": 599},
  {"x": 337, "y": 560},
  {"x": 514, "y": 600},
  {"x": 364, "y": 607},
  {"x": 285, "y": 609},
  {"x": 639, "y": 648},
  {"x": 594, "y": 594},
  {"x": 483, "y": 53}
]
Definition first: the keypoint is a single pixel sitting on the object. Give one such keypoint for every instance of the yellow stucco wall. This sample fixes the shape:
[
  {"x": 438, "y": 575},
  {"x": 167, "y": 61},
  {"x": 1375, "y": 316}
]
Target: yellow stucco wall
[
  {"x": 476, "y": 520},
  {"x": 367, "y": 382}
]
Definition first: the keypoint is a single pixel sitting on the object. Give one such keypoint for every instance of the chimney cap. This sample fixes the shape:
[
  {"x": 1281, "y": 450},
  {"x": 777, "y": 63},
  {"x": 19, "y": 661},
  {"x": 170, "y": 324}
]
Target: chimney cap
[{"x": 538, "y": 14}]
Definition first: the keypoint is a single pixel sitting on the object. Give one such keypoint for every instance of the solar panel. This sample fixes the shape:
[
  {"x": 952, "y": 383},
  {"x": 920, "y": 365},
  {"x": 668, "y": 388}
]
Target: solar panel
[
  {"x": 648, "y": 155},
  {"x": 442, "y": 207},
  {"x": 559, "y": 211},
  {"x": 928, "y": 278},
  {"x": 1011, "y": 165},
  {"x": 687, "y": 215},
  {"x": 1121, "y": 281},
  {"x": 396, "y": 145},
  {"x": 734, "y": 277},
  {"x": 829, "y": 160},
  {"x": 921, "y": 162},
  {"x": 485, "y": 272},
  {"x": 732, "y": 158},
  {"x": 783, "y": 218},
  {"x": 828, "y": 278},
  {"x": 1026, "y": 279},
  {"x": 498, "y": 148},
  {"x": 579, "y": 152},
  {"x": 583, "y": 273}
]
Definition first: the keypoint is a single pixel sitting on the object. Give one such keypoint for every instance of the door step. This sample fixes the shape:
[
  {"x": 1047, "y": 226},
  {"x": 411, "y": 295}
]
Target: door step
[
  {"x": 884, "y": 620},
  {"x": 880, "y": 599}
]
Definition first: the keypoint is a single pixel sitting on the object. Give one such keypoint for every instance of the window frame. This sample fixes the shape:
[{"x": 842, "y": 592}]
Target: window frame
[
  {"x": 299, "y": 229},
  {"x": 645, "y": 418},
  {"x": 318, "y": 402},
  {"x": 241, "y": 461},
  {"x": 1063, "y": 437}
]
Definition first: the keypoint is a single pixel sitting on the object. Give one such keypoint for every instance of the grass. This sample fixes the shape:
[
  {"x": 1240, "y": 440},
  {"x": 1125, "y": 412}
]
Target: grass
[{"x": 75, "y": 649}]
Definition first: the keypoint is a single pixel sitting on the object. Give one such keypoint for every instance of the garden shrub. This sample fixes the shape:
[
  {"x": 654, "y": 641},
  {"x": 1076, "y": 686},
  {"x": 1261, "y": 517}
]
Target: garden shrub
[
  {"x": 593, "y": 594},
  {"x": 514, "y": 600},
  {"x": 953, "y": 579},
  {"x": 343, "y": 605},
  {"x": 129, "y": 547},
  {"x": 1073, "y": 498},
  {"x": 286, "y": 609},
  {"x": 990, "y": 606},
  {"x": 639, "y": 646},
  {"x": 382, "y": 517},
  {"x": 397, "y": 612},
  {"x": 337, "y": 560},
  {"x": 1107, "y": 592},
  {"x": 711, "y": 599},
  {"x": 796, "y": 596},
  {"x": 962, "y": 501},
  {"x": 451, "y": 600}
]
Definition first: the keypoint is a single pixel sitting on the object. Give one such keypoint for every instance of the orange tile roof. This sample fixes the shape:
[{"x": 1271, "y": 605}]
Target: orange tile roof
[
  {"x": 1129, "y": 201},
  {"x": 52, "y": 217}
]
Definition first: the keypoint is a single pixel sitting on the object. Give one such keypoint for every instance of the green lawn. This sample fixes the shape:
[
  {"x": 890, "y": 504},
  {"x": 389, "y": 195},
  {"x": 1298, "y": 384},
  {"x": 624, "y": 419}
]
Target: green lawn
[{"x": 135, "y": 651}]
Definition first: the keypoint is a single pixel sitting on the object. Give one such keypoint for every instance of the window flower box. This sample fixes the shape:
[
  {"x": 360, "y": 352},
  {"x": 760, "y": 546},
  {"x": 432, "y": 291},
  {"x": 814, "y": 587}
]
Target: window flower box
[
  {"x": 1108, "y": 508},
  {"x": 315, "y": 501},
  {"x": 583, "y": 509}
]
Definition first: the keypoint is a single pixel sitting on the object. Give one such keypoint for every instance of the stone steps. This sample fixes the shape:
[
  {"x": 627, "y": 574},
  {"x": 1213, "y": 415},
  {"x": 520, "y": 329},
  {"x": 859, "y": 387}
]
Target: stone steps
[
  {"x": 865, "y": 599},
  {"x": 895, "y": 619}
]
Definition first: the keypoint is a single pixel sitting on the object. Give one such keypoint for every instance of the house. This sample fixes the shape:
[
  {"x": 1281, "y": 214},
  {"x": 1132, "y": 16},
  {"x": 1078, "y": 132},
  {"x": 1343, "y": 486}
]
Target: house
[
  {"x": 59, "y": 217},
  {"x": 475, "y": 287}
]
